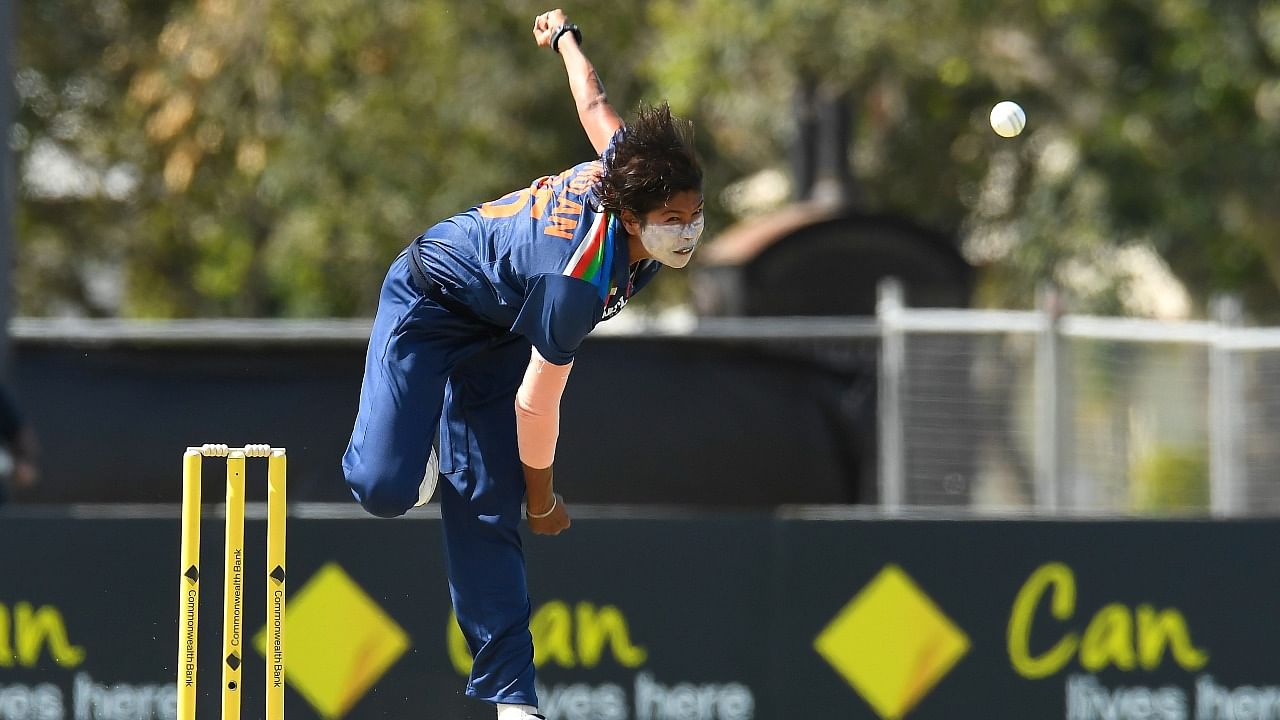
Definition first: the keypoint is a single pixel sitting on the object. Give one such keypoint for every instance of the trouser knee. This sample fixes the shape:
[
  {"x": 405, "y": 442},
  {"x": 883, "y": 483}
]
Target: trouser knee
[{"x": 381, "y": 492}]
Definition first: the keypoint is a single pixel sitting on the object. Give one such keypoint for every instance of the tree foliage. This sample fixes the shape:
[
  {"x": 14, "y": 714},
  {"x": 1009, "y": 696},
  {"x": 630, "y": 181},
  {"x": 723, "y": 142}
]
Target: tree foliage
[
  {"x": 1152, "y": 140},
  {"x": 238, "y": 157},
  {"x": 242, "y": 157}
]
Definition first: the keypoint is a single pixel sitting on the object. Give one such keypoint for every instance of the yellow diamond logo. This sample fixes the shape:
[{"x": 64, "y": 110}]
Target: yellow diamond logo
[
  {"x": 338, "y": 642},
  {"x": 892, "y": 643}
]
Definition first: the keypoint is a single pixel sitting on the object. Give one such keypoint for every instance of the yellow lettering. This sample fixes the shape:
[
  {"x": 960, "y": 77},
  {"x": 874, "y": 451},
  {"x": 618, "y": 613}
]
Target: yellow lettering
[
  {"x": 6, "y": 644},
  {"x": 459, "y": 654},
  {"x": 36, "y": 629},
  {"x": 552, "y": 628},
  {"x": 596, "y": 627},
  {"x": 1063, "y": 582},
  {"x": 1108, "y": 640},
  {"x": 1156, "y": 630}
]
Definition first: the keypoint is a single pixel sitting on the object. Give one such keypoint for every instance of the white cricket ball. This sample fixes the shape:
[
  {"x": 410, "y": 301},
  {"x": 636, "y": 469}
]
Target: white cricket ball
[{"x": 1008, "y": 119}]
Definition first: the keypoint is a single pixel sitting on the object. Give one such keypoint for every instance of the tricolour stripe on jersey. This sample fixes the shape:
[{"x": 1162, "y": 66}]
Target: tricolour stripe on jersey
[{"x": 590, "y": 261}]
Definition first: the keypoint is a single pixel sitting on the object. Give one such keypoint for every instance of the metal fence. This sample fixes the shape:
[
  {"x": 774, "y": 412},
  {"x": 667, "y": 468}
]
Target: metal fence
[
  {"x": 746, "y": 412},
  {"x": 1036, "y": 411},
  {"x": 994, "y": 411}
]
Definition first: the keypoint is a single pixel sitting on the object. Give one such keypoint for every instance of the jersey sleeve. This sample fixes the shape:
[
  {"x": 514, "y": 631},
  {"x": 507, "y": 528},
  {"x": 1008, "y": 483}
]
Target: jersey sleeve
[
  {"x": 559, "y": 312},
  {"x": 618, "y": 135}
]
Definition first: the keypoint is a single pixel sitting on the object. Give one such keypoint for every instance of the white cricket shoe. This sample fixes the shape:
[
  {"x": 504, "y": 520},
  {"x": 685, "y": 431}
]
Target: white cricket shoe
[
  {"x": 429, "y": 480},
  {"x": 518, "y": 712}
]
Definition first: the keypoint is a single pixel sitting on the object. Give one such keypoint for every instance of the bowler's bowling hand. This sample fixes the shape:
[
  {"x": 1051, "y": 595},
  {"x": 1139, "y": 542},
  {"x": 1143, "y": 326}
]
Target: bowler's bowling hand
[{"x": 556, "y": 520}]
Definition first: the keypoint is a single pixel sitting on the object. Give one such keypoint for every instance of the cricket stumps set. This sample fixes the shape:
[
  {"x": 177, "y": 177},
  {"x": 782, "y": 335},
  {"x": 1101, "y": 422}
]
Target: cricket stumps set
[{"x": 233, "y": 637}]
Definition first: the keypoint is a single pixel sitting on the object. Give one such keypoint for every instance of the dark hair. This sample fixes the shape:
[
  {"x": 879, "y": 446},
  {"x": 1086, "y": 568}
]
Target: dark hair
[{"x": 652, "y": 161}]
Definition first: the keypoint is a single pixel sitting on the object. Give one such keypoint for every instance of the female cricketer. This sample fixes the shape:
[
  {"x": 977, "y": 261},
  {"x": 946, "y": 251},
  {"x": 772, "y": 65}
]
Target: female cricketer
[{"x": 477, "y": 325}]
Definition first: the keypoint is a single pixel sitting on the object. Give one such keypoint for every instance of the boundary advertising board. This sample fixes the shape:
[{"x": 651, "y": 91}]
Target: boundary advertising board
[{"x": 674, "y": 616}]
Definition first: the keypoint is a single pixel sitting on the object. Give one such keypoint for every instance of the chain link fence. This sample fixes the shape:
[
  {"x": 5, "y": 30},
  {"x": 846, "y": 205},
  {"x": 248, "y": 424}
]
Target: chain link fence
[
  {"x": 994, "y": 411},
  {"x": 1032, "y": 411}
]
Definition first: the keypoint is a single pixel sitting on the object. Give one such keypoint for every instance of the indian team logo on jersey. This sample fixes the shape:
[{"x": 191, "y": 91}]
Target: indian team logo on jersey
[{"x": 619, "y": 301}]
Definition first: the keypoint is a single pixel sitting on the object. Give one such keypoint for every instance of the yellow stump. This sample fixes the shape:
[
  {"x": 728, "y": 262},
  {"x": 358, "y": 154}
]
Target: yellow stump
[
  {"x": 189, "y": 600},
  {"x": 275, "y": 584},
  {"x": 233, "y": 579},
  {"x": 233, "y": 588}
]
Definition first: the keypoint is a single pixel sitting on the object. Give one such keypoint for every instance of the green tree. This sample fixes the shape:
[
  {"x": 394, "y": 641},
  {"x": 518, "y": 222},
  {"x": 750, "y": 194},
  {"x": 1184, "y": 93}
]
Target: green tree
[
  {"x": 1153, "y": 126},
  {"x": 237, "y": 157}
]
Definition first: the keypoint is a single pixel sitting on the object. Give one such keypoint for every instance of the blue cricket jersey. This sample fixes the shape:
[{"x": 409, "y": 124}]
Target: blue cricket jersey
[{"x": 544, "y": 261}]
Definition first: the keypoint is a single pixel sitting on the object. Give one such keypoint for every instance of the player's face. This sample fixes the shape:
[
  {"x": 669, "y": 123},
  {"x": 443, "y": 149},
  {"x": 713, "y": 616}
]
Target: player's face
[
  {"x": 682, "y": 209},
  {"x": 670, "y": 233}
]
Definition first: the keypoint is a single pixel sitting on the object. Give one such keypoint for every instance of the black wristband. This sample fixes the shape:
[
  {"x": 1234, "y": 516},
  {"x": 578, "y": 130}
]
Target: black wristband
[{"x": 569, "y": 28}]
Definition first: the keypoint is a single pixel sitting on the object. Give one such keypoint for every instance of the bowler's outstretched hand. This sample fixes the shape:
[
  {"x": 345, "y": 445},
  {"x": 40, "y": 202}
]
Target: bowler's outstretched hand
[{"x": 546, "y": 24}]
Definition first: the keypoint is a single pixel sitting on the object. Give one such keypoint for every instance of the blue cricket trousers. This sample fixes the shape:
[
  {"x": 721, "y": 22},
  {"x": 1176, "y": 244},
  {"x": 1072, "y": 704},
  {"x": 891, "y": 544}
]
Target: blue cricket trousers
[{"x": 424, "y": 359}]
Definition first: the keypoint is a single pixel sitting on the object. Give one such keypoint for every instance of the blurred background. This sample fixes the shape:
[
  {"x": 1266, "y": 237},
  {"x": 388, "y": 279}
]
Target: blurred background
[
  {"x": 895, "y": 312},
  {"x": 224, "y": 159}
]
